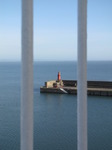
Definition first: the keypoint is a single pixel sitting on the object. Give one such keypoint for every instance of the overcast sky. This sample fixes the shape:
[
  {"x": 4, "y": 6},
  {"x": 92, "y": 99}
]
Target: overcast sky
[{"x": 55, "y": 30}]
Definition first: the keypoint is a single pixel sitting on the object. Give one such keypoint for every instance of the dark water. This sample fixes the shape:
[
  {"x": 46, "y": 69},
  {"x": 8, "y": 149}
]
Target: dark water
[{"x": 55, "y": 122}]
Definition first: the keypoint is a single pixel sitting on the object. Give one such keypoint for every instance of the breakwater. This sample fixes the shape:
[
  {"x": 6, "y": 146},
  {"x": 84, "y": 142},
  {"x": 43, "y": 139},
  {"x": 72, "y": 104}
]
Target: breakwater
[{"x": 97, "y": 88}]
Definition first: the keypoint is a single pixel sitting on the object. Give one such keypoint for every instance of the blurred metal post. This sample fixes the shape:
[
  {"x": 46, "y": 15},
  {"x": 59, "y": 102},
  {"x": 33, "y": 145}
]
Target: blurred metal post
[
  {"x": 27, "y": 76},
  {"x": 82, "y": 76}
]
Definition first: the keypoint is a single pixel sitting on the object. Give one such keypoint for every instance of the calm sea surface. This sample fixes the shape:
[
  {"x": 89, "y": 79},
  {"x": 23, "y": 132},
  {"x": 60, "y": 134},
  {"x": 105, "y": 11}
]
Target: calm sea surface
[{"x": 55, "y": 122}]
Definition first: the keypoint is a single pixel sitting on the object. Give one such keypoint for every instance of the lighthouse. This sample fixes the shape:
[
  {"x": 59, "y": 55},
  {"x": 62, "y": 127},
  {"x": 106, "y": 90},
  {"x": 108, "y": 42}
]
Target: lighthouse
[{"x": 59, "y": 76}]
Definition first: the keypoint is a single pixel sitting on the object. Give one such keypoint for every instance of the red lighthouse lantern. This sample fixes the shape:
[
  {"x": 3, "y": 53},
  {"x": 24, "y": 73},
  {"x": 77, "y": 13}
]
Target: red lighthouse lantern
[{"x": 59, "y": 76}]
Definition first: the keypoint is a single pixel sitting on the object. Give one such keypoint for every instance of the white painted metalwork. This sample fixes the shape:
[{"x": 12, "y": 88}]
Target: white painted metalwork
[
  {"x": 27, "y": 76},
  {"x": 82, "y": 76}
]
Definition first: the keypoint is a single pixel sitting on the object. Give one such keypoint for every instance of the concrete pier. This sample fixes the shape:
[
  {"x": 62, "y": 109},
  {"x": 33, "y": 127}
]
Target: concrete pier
[{"x": 94, "y": 88}]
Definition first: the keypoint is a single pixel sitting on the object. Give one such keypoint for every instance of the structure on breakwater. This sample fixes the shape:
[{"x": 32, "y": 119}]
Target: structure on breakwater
[{"x": 97, "y": 88}]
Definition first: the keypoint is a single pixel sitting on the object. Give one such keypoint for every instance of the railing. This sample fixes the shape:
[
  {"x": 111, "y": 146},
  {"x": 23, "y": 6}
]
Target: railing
[
  {"x": 27, "y": 76},
  {"x": 82, "y": 76}
]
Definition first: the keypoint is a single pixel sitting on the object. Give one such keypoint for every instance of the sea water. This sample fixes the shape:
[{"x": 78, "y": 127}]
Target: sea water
[{"x": 55, "y": 115}]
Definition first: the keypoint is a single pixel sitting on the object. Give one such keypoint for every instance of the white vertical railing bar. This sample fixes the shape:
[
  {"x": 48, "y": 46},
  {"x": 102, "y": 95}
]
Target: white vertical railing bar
[
  {"x": 82, "y": 76},
  {"x": 27, "y": 76}
]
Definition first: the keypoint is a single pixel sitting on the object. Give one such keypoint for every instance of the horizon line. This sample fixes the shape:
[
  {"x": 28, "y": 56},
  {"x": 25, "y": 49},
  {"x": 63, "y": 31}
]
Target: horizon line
[{"x": 50, "y": 60}]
